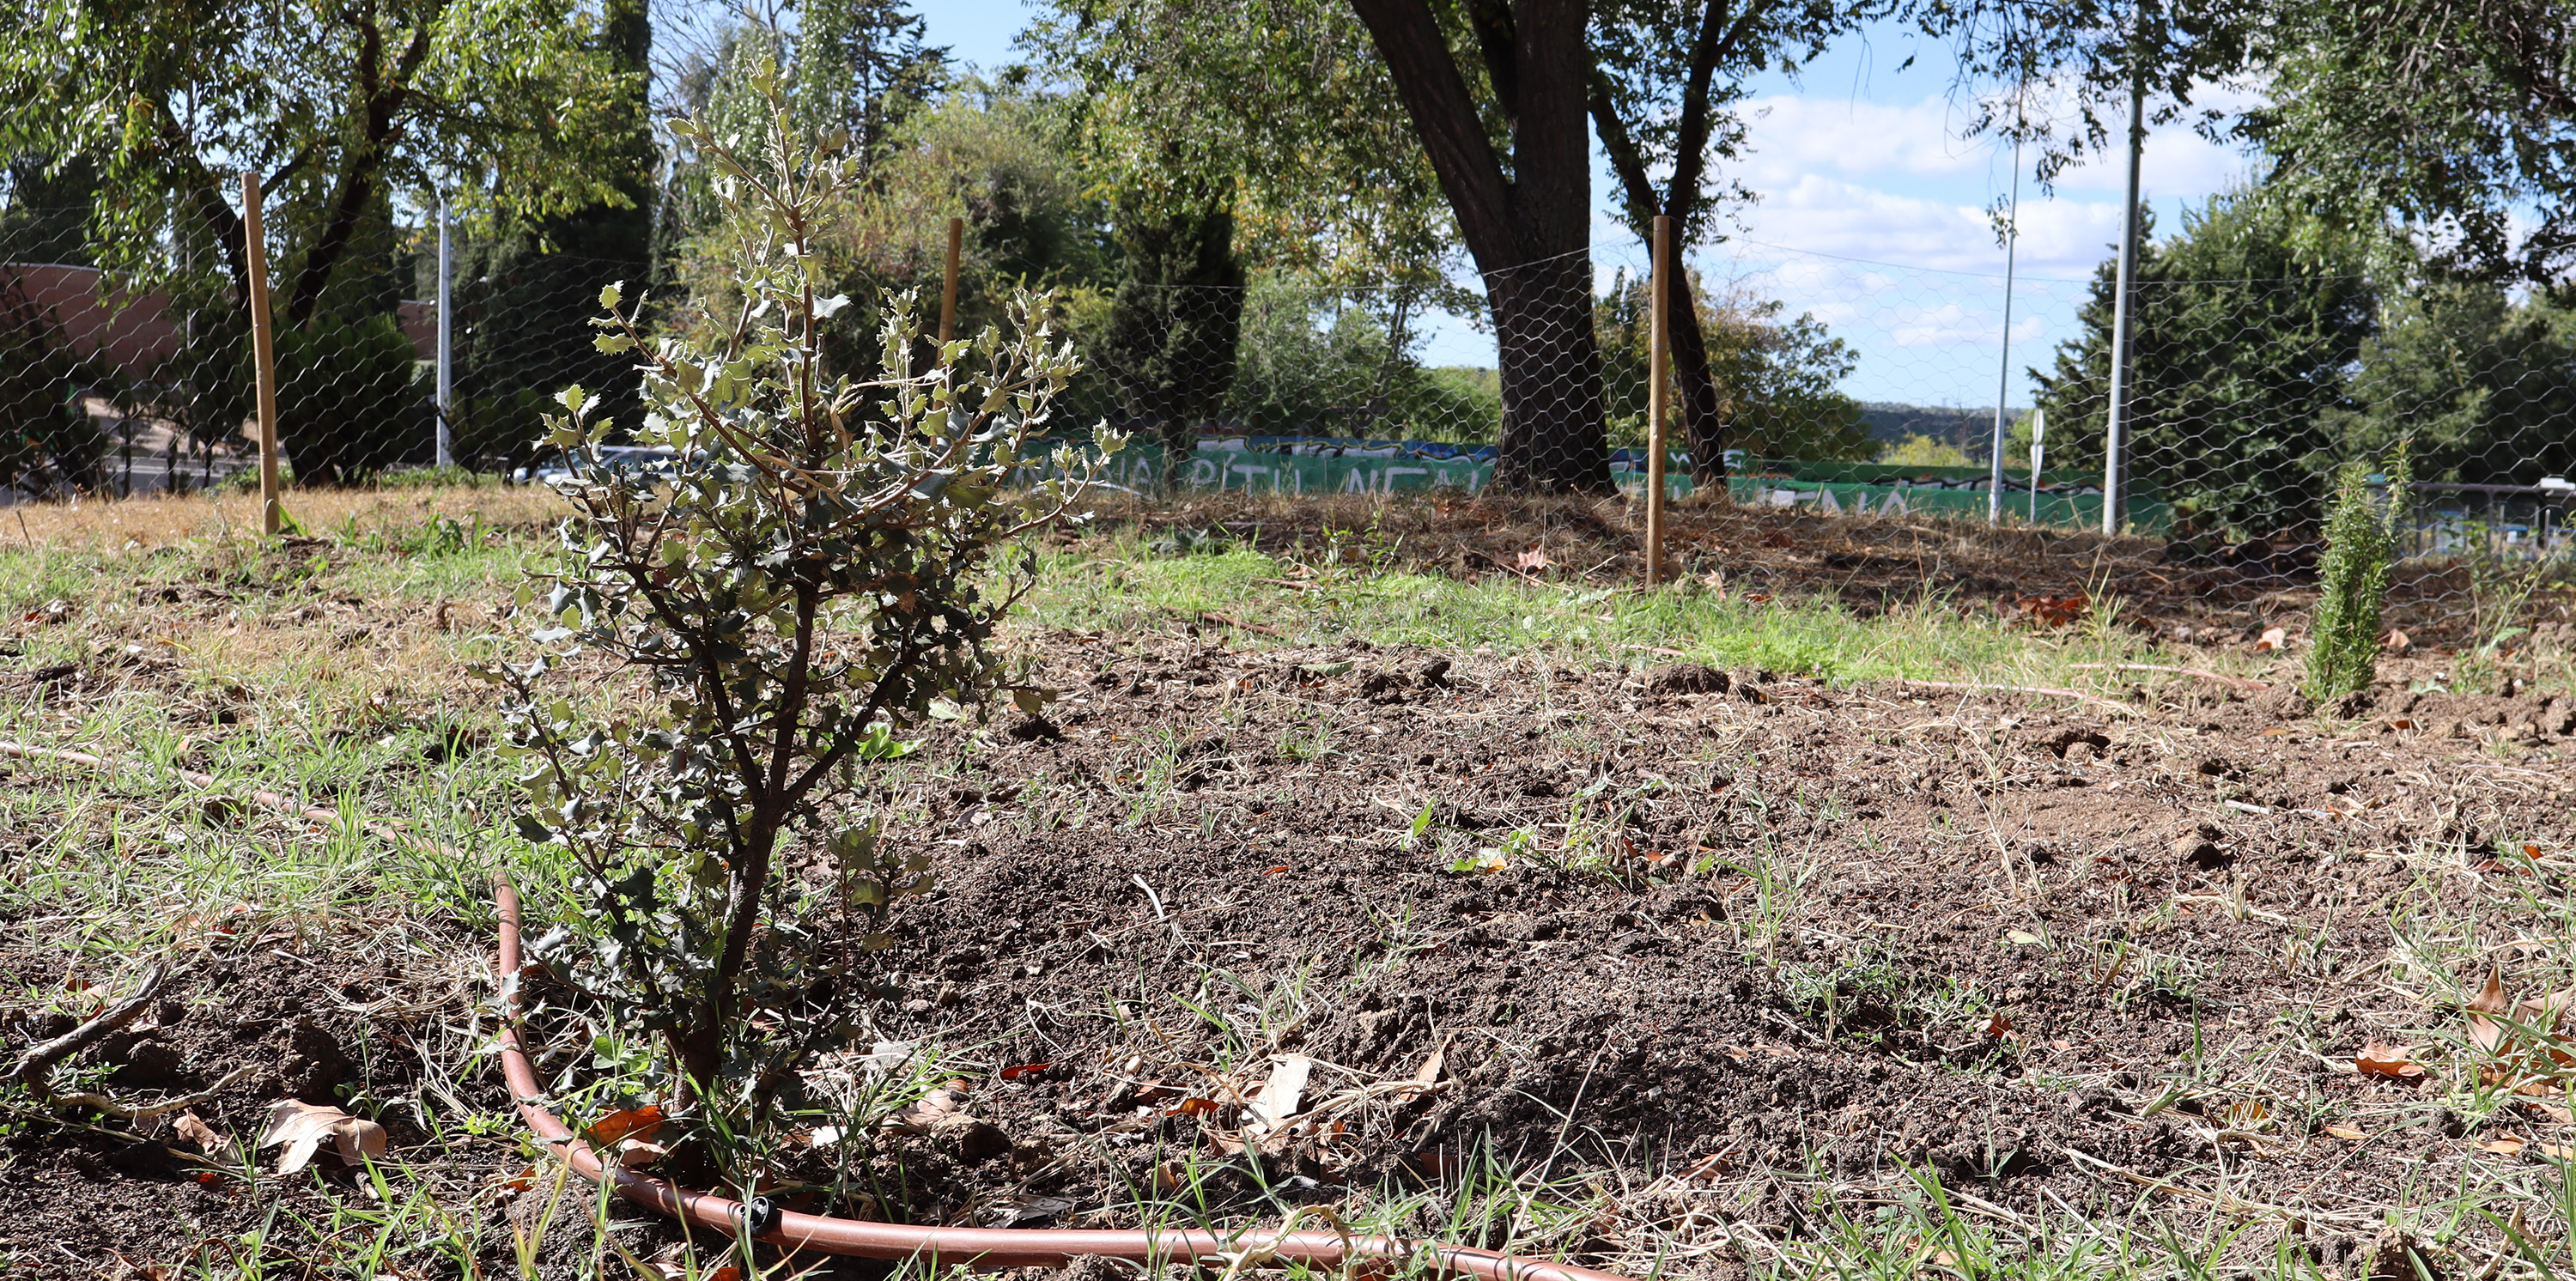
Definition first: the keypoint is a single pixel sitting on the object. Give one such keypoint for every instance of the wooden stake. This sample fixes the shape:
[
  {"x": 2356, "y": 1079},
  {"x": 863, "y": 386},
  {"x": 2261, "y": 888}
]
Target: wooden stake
[
  {"x": 263, "y": 346},
  {"x": 948, "y": 290},
  {"x": 1658, "y": 372}
]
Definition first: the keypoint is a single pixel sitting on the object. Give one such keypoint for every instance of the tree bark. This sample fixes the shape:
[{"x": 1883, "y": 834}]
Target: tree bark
[
  {"x": 1703, "y": 410},
  {"x": 363, "y": 180},
  {"x": 1723, "y": 30},
  {"x": 1528, "y": 227}
]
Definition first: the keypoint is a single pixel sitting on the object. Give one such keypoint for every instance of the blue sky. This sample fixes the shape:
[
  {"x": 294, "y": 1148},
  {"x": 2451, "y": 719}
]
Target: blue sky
[{"x": 1872, "y": 216}]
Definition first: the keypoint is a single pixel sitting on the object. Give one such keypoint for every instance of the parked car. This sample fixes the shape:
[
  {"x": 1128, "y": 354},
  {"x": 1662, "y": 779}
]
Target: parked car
[{"x": 616, "y": 458}]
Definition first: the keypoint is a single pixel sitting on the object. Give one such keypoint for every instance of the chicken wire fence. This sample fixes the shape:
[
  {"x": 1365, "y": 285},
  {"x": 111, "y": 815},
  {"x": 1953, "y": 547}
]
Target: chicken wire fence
[
  {"x": 118, "y": 392},
  {"x": 1800, "y": 381}
]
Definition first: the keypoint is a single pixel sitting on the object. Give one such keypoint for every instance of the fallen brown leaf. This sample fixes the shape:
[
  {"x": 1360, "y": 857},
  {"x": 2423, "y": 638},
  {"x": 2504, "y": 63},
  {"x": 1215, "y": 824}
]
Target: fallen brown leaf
[
  {"x": 1996, "y": 1025},
  {"x": 302, "y": 1127},
  {"x": 2505, "y": 1145},
  {"x": 1429, "y": 1073},
  {"x": 2490, "y": 1001},
  {"x": 631, "y": 1123},
  {"x": 919, "y": 1116},
  {"x": 1277, "y": 1099},
  {"x": 1711, "y": 1166},
  {"x": 2386, "y": 1060},
  {"x": 209, "y": 1140},
  {"x": 635, "y": 1154}
]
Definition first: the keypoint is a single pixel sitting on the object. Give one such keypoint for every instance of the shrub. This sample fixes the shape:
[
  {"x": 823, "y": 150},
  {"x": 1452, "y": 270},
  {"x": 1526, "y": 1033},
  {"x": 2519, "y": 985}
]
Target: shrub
[
  {"x": 2361, "y": 541},
  {"x": 350, "y": 399},
  {"x": 815, "y": 578}
]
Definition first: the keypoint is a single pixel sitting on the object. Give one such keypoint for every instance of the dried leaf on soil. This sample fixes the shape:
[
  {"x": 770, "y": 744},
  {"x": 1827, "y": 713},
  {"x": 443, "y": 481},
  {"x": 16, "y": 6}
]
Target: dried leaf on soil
[
  {"x": 1714, "y": 1165},
  {"x": 631, "y": 1123},
  {"x": 1277, "y": 1099},
  {"x": 920, "y": 1116},
  {"x": 302, "y": 1127},
  {"x": 2055, "y": 611},
  {"x": 2387, "y": 1060},
  {"x": 2346, "y": 1132},
  {"x": 2506, "y": 1145},
  {"x": 2488, "y": 1003},
  {"x": 1432, "y": 1063},
  {"x": 209, "y": 1140}
]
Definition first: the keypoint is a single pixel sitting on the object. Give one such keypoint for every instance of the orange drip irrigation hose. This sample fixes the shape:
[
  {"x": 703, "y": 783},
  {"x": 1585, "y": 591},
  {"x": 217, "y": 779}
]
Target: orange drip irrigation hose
[{"x": 974, "y": 1247}]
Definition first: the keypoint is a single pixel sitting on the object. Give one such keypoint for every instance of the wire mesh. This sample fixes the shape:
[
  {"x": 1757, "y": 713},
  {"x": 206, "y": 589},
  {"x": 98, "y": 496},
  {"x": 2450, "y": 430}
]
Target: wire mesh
[
  {"x": 1800, "y": 381},
  {"x": 119, "y": 391}
]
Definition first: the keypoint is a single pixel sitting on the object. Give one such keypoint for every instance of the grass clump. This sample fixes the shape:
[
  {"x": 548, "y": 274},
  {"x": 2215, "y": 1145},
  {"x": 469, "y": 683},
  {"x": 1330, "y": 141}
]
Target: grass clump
[{"x": 2361, "y": 543}]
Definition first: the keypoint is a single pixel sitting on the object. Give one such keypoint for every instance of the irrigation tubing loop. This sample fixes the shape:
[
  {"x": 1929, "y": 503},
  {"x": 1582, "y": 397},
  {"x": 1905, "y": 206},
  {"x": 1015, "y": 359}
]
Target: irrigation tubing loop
[{"x": 987, "y": 1248}]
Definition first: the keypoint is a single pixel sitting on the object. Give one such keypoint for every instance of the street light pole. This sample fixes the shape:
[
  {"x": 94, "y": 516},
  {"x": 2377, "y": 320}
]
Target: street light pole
[
  {"x": 2003, "y": 370},
  {"x": 446, "y": 347},
  {"x": 2115, "y": 441}
]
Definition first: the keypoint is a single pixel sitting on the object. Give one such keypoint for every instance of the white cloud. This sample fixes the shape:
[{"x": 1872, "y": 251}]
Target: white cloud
[{"x": 1789, "y": 137}]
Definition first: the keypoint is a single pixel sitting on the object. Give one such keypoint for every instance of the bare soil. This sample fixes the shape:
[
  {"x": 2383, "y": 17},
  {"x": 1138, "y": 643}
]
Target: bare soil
[{"x": 1718, "y": 950}]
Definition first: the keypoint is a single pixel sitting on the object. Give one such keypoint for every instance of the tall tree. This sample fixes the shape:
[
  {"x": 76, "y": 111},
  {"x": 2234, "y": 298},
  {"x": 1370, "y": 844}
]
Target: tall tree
[
  {"x": 530, "y": 288},
  {"x": 336, "y": 105},
  {"x": 2408, "y": 123},
  {"x": 2241, "y": 341},
  {"x": 2476, "y": 384},
  {"x": 1271, "y": 140},
  {"x": 1664, "y": 80},
  {"x": 2448, "y": 123},
  {"x": 1506, "y": 128},
  {"x": 1174, "y": 322}
]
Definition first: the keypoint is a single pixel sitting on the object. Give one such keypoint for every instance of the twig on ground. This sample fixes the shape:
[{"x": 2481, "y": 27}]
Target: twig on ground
[
  {"x": 1225, "y": 620},
  {"x": 37, "y": 1064},
  {"x": 2233, "y": 682},
  {"x": 2050, "y": 690},
  {"x": 145, "y": 1113}
]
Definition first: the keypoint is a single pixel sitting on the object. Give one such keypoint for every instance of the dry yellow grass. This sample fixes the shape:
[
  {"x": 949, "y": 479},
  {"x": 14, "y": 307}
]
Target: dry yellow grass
[{"x": 162, "y": 521}]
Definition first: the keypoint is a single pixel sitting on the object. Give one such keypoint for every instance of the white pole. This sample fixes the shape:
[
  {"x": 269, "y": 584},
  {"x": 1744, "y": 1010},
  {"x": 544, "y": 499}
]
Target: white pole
[
  {"x": 2003, "y": 370},
  {"x": 2038, "y": 452},
  {"x": 2114, "y": 440},
  {"x": 446, "y": 346}
]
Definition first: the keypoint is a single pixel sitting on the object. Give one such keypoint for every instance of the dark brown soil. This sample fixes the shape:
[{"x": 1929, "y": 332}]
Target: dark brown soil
[
  {"x": 1715, "y": 952},
  {"x": 2173, "y": 589},
  {"x": 1944, "y": 993}
]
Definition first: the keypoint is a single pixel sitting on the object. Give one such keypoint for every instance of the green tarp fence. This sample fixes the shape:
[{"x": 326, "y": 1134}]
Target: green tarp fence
[{"x": 1851, "y": 489}]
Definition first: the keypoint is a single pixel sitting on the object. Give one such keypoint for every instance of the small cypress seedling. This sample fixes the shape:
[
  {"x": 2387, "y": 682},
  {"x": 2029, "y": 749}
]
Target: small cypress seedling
[{"x": 2361, "y": 544}]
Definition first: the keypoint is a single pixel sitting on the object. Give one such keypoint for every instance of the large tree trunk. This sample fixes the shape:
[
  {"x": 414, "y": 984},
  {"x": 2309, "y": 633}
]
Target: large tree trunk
[
  {"x": 1703, "y": 411},
  {"x": 1551, "y": 374},
  {"x": 1529, "y": 229}
]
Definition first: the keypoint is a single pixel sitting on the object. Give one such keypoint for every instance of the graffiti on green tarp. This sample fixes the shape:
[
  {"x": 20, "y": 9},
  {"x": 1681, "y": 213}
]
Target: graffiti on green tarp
[
  {"x": 1140, "y": 467},
  {"x": 2070, "y": 511}
]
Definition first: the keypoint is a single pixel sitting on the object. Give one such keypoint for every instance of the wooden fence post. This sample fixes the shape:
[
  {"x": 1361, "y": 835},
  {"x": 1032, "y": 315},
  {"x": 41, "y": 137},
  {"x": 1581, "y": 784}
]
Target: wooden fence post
[
  {"x": 1658, "y": 372},
  {"x": 948, "y": 291},
  {"x": 263, "y": 346}
]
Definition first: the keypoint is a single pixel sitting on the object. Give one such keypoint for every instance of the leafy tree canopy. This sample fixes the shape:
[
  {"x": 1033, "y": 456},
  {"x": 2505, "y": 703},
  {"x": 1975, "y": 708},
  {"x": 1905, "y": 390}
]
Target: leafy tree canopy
[{"x": 336, "y": 106}]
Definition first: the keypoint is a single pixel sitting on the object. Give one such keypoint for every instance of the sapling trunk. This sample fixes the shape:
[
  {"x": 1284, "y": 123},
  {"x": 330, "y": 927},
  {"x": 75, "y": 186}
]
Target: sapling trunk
[{"x": 810, "y": 578}]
